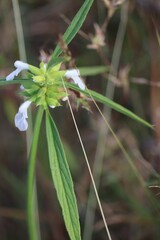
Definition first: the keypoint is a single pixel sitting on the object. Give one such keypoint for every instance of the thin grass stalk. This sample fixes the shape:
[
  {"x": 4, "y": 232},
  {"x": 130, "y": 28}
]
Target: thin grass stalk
[
  {"x": 31, "y": 215},
  {"x": 89, "y": 168},
  {"x": 19, "y": 30},
  {"x": 23, "y": 57},
  {"x": 129, "y": 160},
  {"x": 100, "y": 150}
]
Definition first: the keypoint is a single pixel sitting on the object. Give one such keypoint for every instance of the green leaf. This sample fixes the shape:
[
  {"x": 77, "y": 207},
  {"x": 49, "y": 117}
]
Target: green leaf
[
  {"x": 62, "y": 179},
  {"x": 3, "y": 82},
  {"x": 73, "y": 28},
  {"x": 31, "y": 176},
  {"x": 102, "y": 99},
  {"x": 57, "y": 60},
  {"x": 91, "y": 71}
]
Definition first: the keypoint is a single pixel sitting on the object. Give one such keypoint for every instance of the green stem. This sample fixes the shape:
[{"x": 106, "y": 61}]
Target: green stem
[{"x": 31, "y": 177}]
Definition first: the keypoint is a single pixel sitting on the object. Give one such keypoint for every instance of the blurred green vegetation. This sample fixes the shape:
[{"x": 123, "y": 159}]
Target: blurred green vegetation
[{"x": 131, "y": 213}]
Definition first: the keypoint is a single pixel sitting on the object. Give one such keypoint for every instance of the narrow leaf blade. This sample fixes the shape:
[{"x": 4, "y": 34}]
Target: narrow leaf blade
[
  {"x": 103, "y": 99},
  {"x": 32, "y": 221},
  {"x": 62, "y": 179},
  {"x": 73, "y": 28},
  {"x": 3, "y": 82}
]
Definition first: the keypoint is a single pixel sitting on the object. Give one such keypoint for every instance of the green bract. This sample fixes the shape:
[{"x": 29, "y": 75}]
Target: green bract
[{"x": 47, "y": 88}]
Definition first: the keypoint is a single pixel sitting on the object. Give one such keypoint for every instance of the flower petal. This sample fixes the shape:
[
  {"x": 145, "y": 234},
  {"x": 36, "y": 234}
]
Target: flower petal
[
  {"x": 20, "y": 118},
  {"x": 65, "y": 98},
  {"x": 10, "y": 76},
  {"x": 23, "y": 108},
  {"x": 20, "y": 122},
  {"x": 20, "y": 66},
  {"x": 74, "y": 75},
  {"x": 79, "y": 82},
  {"x": 13, "y": 74}
]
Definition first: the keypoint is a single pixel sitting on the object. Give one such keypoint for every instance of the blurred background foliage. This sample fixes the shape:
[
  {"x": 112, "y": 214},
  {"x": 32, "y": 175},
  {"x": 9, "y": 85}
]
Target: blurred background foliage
[{"x": 134, "y": 80}]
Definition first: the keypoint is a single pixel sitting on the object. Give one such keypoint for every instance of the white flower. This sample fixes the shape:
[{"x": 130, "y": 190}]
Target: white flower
[
  {"x": 74, "y": 75},
  {"x": 20, "y": 118},
  {"x": 51, "y": 106},
  {"x": 20, "y": 66},
  {"x": 65, "y": 98}
]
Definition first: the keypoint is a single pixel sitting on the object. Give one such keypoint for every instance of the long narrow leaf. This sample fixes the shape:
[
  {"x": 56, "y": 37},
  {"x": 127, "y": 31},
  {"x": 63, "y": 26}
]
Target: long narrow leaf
[
  {"x": 102, "y": 99},
  {"x": 62, "y": 179},
  {"x": 73, "y": 28},
  {"x": 31, "y": 175},
  {"x": 3, "y": 82}
]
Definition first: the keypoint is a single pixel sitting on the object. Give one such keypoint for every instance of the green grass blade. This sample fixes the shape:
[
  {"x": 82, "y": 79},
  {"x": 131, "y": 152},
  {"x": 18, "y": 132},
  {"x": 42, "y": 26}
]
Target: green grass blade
[
  {"x": 31, "y": 175},
  {"x": 102, "y": 99},
  {"x": 73, "y": 28},
  {"x": 62, "y": 179},
  {"x": 93, "y": 70}
]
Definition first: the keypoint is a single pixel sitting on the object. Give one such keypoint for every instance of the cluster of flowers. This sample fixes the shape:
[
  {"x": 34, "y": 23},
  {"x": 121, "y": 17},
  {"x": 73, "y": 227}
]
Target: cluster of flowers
[{"x": 46, "y": 88}]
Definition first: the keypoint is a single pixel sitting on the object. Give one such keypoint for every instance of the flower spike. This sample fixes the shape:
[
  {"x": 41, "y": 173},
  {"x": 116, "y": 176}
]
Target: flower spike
[
  {"x": 20, "y": 66},
  {"x": 46, "y": 90},
  {"x": 74, "y": 75},
  {"x": 20, "y": 118}
]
